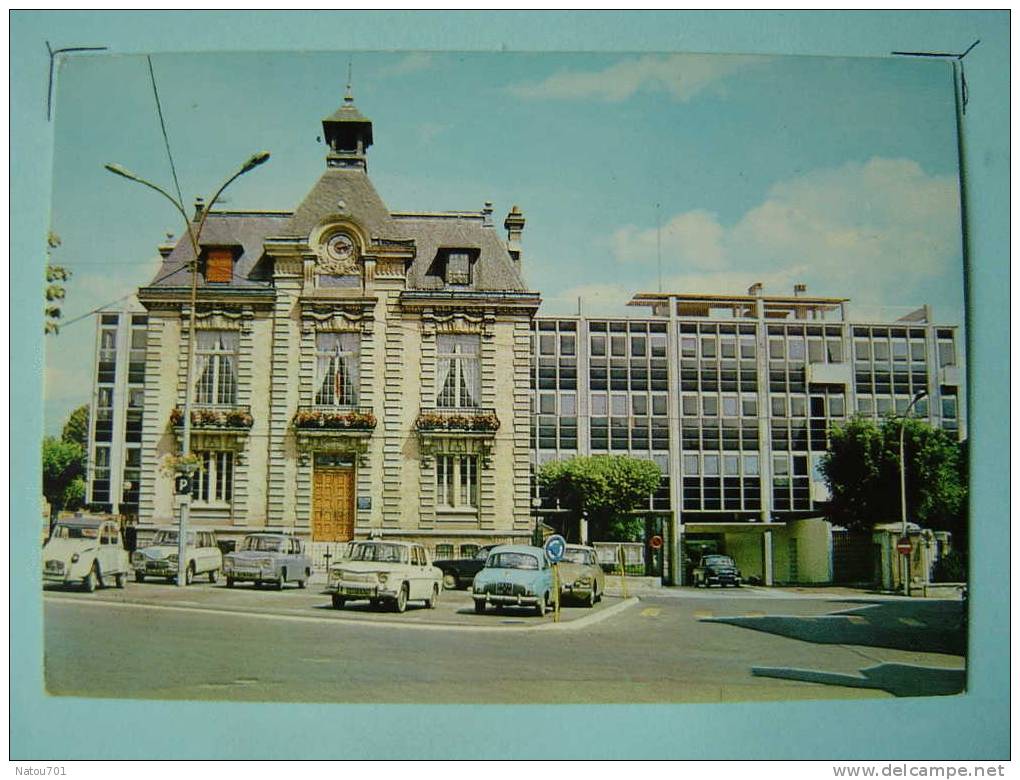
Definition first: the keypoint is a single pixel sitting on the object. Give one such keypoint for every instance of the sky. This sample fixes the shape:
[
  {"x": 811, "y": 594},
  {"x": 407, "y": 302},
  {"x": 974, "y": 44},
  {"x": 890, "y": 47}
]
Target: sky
[{"x": 685, "y": 173}]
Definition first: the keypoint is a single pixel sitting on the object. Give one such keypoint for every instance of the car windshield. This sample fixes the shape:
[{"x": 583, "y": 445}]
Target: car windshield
[
  {"x": 511, "y": 560},
  {"x": 718, "y": 560},
  {"x": 74, "y": 532},
  {"x": 483, "y": 553},
  {"x": 576, "y": 555},
  {"x": 262, "y": 544},
  {"x": 383, "y": 553},
  {"x": 169, "y": 537}
]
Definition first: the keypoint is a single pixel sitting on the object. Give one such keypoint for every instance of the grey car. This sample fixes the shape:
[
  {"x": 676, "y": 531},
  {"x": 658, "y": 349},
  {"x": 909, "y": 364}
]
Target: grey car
[{"x": 268, "y": 558}]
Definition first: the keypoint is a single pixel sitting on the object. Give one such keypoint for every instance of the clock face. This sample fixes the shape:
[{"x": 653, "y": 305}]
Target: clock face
[{"x": 340, "y": 247}]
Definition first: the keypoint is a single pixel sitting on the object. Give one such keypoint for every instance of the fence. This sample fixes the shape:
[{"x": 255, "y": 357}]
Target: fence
[{"x": 318, "y": 551}]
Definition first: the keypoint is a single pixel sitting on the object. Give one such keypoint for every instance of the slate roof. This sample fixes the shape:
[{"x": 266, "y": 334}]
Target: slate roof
[{"x": 245, "y": 229}]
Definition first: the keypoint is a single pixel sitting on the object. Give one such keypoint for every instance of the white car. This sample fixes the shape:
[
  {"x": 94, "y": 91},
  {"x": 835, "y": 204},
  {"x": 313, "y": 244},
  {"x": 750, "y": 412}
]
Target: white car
[
  {"x": 159, "y": 558},
  {"x": 86, "y": 551},
  {"x": 391, "y": 572}
]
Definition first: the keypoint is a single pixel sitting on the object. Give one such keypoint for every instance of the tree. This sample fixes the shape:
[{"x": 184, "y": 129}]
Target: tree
[
  {"x": 55, "y": 291},
  {"x": 62, "y": 464},
  {"x": 76, "y": 429},
  {"x": 606, "y": 487},
  {"x": 862, "y": 470}
]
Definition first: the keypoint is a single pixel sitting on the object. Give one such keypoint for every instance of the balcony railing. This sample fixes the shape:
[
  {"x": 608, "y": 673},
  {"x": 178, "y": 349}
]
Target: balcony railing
[
  {"x": 465, "y": 420},
  {"x": 225, "y": 418},
  {"x": 318, "y": 418}
]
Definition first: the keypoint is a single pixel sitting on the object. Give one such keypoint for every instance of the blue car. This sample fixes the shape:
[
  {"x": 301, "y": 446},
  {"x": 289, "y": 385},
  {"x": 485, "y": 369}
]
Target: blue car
[{"x": 514, "y": 575}]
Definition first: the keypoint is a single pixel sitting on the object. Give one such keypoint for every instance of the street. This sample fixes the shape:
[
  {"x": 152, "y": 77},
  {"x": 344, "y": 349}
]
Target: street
[{"x": 675, "y": 645}]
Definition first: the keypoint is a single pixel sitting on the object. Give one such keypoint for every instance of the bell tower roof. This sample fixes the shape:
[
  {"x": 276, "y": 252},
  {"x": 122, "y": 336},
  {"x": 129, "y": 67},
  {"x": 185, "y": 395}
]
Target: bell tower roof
[{"x": 348, "y": 133}]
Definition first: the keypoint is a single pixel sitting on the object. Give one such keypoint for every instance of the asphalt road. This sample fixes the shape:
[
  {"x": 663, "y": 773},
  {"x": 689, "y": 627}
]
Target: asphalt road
[{"x": 678, "y": 646}]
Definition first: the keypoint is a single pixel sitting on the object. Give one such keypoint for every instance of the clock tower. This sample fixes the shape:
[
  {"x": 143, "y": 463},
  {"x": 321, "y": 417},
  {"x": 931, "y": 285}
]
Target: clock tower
[{"x": 348, "y": 134}]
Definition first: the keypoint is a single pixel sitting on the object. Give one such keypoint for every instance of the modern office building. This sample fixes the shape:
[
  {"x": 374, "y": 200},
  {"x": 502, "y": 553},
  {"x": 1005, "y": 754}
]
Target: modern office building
[
  {"x": 358, "y": 371},
  {"x": 733, "y": 397},
  {"x": 116, "y": 411}
]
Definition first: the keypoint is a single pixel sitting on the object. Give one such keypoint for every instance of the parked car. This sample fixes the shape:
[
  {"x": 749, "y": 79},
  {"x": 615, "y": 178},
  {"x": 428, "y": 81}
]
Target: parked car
[
  {"x": 459, "y": 572},
  {"x": 87, "y": 551},
  {"x": 514, "y": 575},
  {"x": 268, "y": 557},
  {"x": 159, "y": 558},
  {"x": 581, "y": 577},
  {"x": 716, "y": 570},
  {"x": 385, "y": 572}
]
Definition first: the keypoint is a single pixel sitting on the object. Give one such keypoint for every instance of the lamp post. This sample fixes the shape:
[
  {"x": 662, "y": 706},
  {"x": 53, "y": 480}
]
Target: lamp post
[
  {"x": 903, "y": 487},
  {"x": 194, "y": 234}
]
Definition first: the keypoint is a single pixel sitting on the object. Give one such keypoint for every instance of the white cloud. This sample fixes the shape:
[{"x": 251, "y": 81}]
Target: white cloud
[
  {"x": 872, "y": 230},
  {"x": 680, "y": 75},
  {"x": 412, "y": 63}
]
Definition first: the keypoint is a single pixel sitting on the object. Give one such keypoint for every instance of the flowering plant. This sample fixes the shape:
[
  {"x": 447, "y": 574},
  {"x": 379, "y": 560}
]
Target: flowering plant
[
  {"x": 456, "y": 421},
  {"x": 180, "y": 463},
  {"x": 334, "y": 420},
  {"x": 213, "y": 418}
]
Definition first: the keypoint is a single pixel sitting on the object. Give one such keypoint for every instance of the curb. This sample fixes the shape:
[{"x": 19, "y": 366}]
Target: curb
[{"x": 390, "y": 624}]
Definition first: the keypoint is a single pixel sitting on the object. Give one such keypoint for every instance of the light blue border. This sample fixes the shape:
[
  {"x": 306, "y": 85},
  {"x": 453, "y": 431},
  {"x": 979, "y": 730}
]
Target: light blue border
[{"x": 972, "y": 726}]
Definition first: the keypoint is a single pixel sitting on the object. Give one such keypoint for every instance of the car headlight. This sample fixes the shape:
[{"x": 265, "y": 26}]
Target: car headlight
[
  {"x": 137, "y": 557},
  {"x": 383, "y": 577},
  {"x": 172, "y": 557},
  {"x": 266, "y": 562},
  {"x": 74, "y": 558},
  {"x": 334, "y": 576},
  {"x": 228, "y": 565}
]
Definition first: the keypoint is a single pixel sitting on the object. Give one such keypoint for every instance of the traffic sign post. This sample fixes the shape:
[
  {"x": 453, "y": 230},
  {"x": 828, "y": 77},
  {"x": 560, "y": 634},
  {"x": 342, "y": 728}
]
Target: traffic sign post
[
  {"x": 555, "y": 547},
  {"x": 182, "y": 484},
  {"x": 903, "y": 546}
]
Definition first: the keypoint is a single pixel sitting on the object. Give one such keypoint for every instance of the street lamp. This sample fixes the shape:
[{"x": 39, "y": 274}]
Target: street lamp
[
  {"x": 903, "y": 487},
  {"x": 194, "y": 234}
]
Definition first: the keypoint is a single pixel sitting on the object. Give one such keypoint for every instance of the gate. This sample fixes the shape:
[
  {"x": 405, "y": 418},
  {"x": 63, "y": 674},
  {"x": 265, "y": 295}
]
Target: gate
[{"x": 853, "y": 558}]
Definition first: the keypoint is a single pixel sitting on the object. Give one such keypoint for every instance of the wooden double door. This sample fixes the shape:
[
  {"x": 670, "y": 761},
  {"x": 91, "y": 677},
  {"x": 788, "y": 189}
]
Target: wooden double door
[{"x": 333, "y": 504}]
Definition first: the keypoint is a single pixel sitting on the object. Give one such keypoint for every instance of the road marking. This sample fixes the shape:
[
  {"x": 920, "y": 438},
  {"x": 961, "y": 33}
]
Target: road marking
[
  {"x": 701, "y": 614},
  {"x": 650, "y": 612},
  {"x": 912, "y": 622}
]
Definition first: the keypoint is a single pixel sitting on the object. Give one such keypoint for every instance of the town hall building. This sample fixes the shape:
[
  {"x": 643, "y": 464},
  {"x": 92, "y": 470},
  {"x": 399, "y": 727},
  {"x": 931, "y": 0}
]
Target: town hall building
[{"x": 358, "y": 371}]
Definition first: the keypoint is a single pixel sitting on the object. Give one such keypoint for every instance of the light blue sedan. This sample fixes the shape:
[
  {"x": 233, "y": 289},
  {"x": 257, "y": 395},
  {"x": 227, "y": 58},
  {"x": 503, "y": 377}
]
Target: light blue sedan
[{"x": 516, "y": 576}]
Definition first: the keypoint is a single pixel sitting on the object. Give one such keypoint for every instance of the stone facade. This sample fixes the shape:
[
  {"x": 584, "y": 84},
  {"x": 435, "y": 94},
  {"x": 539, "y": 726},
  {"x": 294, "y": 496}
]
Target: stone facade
[{"x": 363, "y": 373}]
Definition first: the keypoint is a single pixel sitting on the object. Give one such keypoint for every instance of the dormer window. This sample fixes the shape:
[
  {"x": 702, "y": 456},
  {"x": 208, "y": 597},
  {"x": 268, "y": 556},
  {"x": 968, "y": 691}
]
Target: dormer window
[
  {"x": 454, "y": 266},
  {"x": 219, "y": 265},
  {"x": 458, "y": 268}
]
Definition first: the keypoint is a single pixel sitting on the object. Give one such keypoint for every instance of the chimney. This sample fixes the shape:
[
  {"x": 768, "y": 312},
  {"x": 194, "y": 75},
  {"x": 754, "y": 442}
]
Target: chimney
[
  {"x": 514, "y": 224},
  {"x": 487, "y": 214},
  {"x": 754, "y": 289},
  {"x": 199, "y": 208},
  {"x": 167, "y": 246},
  {"x": 799, "y": 289}
]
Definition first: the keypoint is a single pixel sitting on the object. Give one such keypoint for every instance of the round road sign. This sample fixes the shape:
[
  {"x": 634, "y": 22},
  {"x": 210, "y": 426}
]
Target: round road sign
[
  {"x": 555, "y": 546},
  {"x": 655, "y": 542},
  {"x": 903, "y": 546}
]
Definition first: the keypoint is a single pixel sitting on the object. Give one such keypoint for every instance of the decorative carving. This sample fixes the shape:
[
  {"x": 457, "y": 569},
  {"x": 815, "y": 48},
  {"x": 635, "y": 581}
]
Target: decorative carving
[{"x": 390, "y": 269}]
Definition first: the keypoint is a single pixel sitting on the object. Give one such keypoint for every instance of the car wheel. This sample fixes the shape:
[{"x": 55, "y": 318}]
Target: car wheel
[
  {"x": 282, "y": 579},
  {"x": 400, "y": 602},
  {"x": 214, "y": 575},
  {"x": 338, "y": 601},
  {"x": 119, "y": 579},
  {"x": 450, "y": 581},
  {"x": 189, "y": 574},
  {"x": 591, "y": 599},
  {"x": 230, "y": 582},
  {"x": 598, "y": 596},
  {"x": 433, "y": 602},
  {"x": 541, "y": 605},
  {"x": 304, "y": 580},
  {"x": 139, "y": 577},
  {"x": 89, "y": 583},
  {"x": 479, "y": 606}
]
